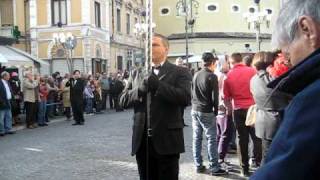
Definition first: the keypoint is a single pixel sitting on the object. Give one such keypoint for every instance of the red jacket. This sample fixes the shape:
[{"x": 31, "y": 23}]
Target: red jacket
[{"x": 237, "y": 86}]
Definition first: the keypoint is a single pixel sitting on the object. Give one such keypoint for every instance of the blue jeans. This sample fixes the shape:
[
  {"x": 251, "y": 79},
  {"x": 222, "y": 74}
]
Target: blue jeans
[
  {"x": 205, "y": 122},
  {"x": 89, "y": 105},
  {"x": 42, "y": 113},
  {"x": 5, "y": 121}
]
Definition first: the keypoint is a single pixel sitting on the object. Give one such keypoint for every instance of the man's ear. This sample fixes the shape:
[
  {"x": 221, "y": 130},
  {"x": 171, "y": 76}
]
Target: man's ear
[{"x": 310, "y": 31}]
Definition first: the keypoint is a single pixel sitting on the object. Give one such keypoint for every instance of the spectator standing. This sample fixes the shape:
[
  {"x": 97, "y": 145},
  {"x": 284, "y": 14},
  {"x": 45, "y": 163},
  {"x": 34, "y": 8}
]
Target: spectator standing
[
  {"x": 270, "y": 104},
  {"x": 118, "y": 87},
  {"x": 205, "y": 101},
  {"x": 88, "y": 96},
  {"x": 112, "y": 91},
  {"x": 43, "y": 92},
  {"x": 31, "y": 98},
  {"x": 105, "y": 88},
  {"x": 237, "y": 89},
  {"x": 5, "y": 106},
  {"x": 65, "y": 91},
  {"x": 17, "y": 96}
]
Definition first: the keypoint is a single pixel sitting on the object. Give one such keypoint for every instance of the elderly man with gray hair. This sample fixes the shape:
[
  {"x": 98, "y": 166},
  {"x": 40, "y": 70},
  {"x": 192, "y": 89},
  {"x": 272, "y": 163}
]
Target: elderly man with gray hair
[
  {"x": 294, "y": 152},
  {"x": 31, "y": 98},
  {"x": 5, "y": 107}
]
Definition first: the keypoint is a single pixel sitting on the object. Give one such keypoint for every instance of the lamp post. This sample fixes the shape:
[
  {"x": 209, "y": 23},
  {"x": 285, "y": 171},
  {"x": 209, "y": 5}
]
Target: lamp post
[
  {"x": 186, "y": 8},
  {"x": 256, "y": 19},
  {"x": 68, "y": 42}
]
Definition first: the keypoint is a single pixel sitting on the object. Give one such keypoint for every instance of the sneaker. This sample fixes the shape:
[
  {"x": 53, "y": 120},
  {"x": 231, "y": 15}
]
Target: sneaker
[
  {"x": 201, "y": 169},
  {"x": 226, "y": 166},
  {"x": 220, "y": 172}
]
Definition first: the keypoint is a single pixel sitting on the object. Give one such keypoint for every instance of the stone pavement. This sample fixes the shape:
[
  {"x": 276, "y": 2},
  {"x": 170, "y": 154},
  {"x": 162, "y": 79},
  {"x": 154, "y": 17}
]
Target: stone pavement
[{"x": 100, "y": 150}]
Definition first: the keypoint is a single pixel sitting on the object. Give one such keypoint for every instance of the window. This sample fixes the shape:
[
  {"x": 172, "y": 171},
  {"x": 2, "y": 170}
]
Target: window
[
  {"x": 6, "y": 12},
  {"x": 212, "y": 8},
  {"x": 118, "y": 20},
  {"x": 136, "y": 21},
  {"x": 164, "y": 11},
  {"x": 97, "y": 14},
  {"x": 269, "y": 11},
  {"x": 128, "y": 23},
  {"x": 252, "y": 10},
  {"x": 235, "y": 8},
  {"x": 59, "y": 12}
]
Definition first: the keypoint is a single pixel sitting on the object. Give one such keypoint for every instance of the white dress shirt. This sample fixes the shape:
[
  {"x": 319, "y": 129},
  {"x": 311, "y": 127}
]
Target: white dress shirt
[
  {"x": 8, "y": 91},
  {"x": 156, "y": 71}
]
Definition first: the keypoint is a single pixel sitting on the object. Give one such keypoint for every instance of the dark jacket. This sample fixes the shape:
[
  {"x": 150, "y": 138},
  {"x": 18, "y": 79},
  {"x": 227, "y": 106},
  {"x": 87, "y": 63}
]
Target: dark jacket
[
  {"x": 205, "y": 92},
  {"x": 76, "y": 90},
  {"x": 294, "y": 152},
  {"x": 4, "y": 102},
  {"x": 165, "y": 108},
  {"x": 270, "y": 105}
]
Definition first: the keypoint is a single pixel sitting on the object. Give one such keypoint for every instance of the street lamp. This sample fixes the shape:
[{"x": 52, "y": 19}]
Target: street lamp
[
  {"x": 68, "y": 42},
  {"x": 186, "y": 8},
  {"x": 256, "y": 19}
]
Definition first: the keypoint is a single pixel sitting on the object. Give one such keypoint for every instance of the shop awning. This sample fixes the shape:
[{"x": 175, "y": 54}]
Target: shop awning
[{"x": 15, "y": 57}]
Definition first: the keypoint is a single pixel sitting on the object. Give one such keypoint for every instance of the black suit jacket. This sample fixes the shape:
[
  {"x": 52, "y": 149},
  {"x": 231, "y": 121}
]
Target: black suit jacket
[
  {"x": 76, "y": 90},
  {"x": 166, "y": 121},
  {"x": 4, "y": 102}
]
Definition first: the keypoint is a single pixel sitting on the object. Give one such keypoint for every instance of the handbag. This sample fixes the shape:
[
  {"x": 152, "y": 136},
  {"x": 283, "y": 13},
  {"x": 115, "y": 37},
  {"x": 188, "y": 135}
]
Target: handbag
[{"x": 251, "y": 116}]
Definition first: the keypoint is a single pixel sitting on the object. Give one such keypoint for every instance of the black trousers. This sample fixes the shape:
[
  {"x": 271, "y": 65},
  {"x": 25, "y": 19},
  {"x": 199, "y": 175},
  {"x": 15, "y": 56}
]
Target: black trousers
[
  {"x": 243, "y": 133},
  {"x": 67, "y": 111},
  {"x": 115, "y": 98},
  {"x": 77, "y": 109},
  {"x": 31, "y": 112},
  {"x": 160, "y": 167},
  {"x": 265, "y": 147},
  {"x": 111, "y": 101}
]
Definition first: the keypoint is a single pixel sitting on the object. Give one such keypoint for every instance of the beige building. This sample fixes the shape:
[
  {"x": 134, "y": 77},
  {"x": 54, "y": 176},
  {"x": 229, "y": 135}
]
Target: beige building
[
  {"x": 125, "y": 45},
  {"x": 219, "y": 25},
  {"x": 103, "y": 30},
  {"x": 87, "y": 20}
]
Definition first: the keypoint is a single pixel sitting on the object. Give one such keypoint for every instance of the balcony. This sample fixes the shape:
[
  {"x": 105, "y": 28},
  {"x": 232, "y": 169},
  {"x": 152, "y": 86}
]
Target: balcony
[{"x": 6, "y": 31}]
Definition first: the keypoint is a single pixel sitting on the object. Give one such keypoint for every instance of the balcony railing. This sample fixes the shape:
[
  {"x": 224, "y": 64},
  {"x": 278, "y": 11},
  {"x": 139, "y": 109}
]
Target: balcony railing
[{"x": 6, "y": 31}]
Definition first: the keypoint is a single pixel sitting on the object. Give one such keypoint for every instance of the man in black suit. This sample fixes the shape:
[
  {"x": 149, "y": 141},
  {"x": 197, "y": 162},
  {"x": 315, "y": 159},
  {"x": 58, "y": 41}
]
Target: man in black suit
[
  {"x": 77, "y": 86},
  {"x": 164, "y": 91}
]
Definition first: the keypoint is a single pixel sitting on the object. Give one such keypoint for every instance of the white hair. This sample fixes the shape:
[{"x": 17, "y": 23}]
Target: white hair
[
  {"x": 4, "y": 74},
  {"x": 286, "y": 26}
]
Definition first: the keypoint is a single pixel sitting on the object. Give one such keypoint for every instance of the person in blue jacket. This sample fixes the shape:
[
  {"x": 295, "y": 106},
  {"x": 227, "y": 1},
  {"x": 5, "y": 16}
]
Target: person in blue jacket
[{"x": 295, "y": 151}]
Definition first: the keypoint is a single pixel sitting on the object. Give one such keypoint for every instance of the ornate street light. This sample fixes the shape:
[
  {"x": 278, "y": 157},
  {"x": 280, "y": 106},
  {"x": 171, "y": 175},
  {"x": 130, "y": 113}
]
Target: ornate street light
[
  {"x": 256, "y": 19},
  {"x": 68, "y": 42},
  {"x": 188, "y": 9}
]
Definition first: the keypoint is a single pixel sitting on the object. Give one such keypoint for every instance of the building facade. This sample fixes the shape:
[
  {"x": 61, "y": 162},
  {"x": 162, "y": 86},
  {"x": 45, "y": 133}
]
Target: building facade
[
  {"x": 126, "y": 46},
  {"x": 15, "y": 13},
  {"x": 218, "y": 25},
  {"x": 86, "y": 20}
]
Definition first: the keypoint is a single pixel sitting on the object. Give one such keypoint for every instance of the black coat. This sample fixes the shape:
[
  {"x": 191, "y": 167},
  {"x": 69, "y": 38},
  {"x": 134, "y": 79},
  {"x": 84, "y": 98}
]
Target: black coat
[
  {"x": 166, "y": 121},
  {"x": 4, "y": 102},
  {"x": 76, "y": 90},
  {"x": 270, "y": 105}
]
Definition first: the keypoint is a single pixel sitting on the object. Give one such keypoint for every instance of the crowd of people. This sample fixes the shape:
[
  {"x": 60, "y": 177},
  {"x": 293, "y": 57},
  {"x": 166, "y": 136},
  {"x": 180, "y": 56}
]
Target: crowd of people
[
  {"x": 269, "y": 99},
  {"x": 41, "y": 98}
]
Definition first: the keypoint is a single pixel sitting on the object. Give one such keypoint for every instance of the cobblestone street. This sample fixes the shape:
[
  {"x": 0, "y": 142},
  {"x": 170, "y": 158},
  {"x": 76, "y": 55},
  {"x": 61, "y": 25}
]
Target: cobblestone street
[{"x": 100, "y": 150}]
